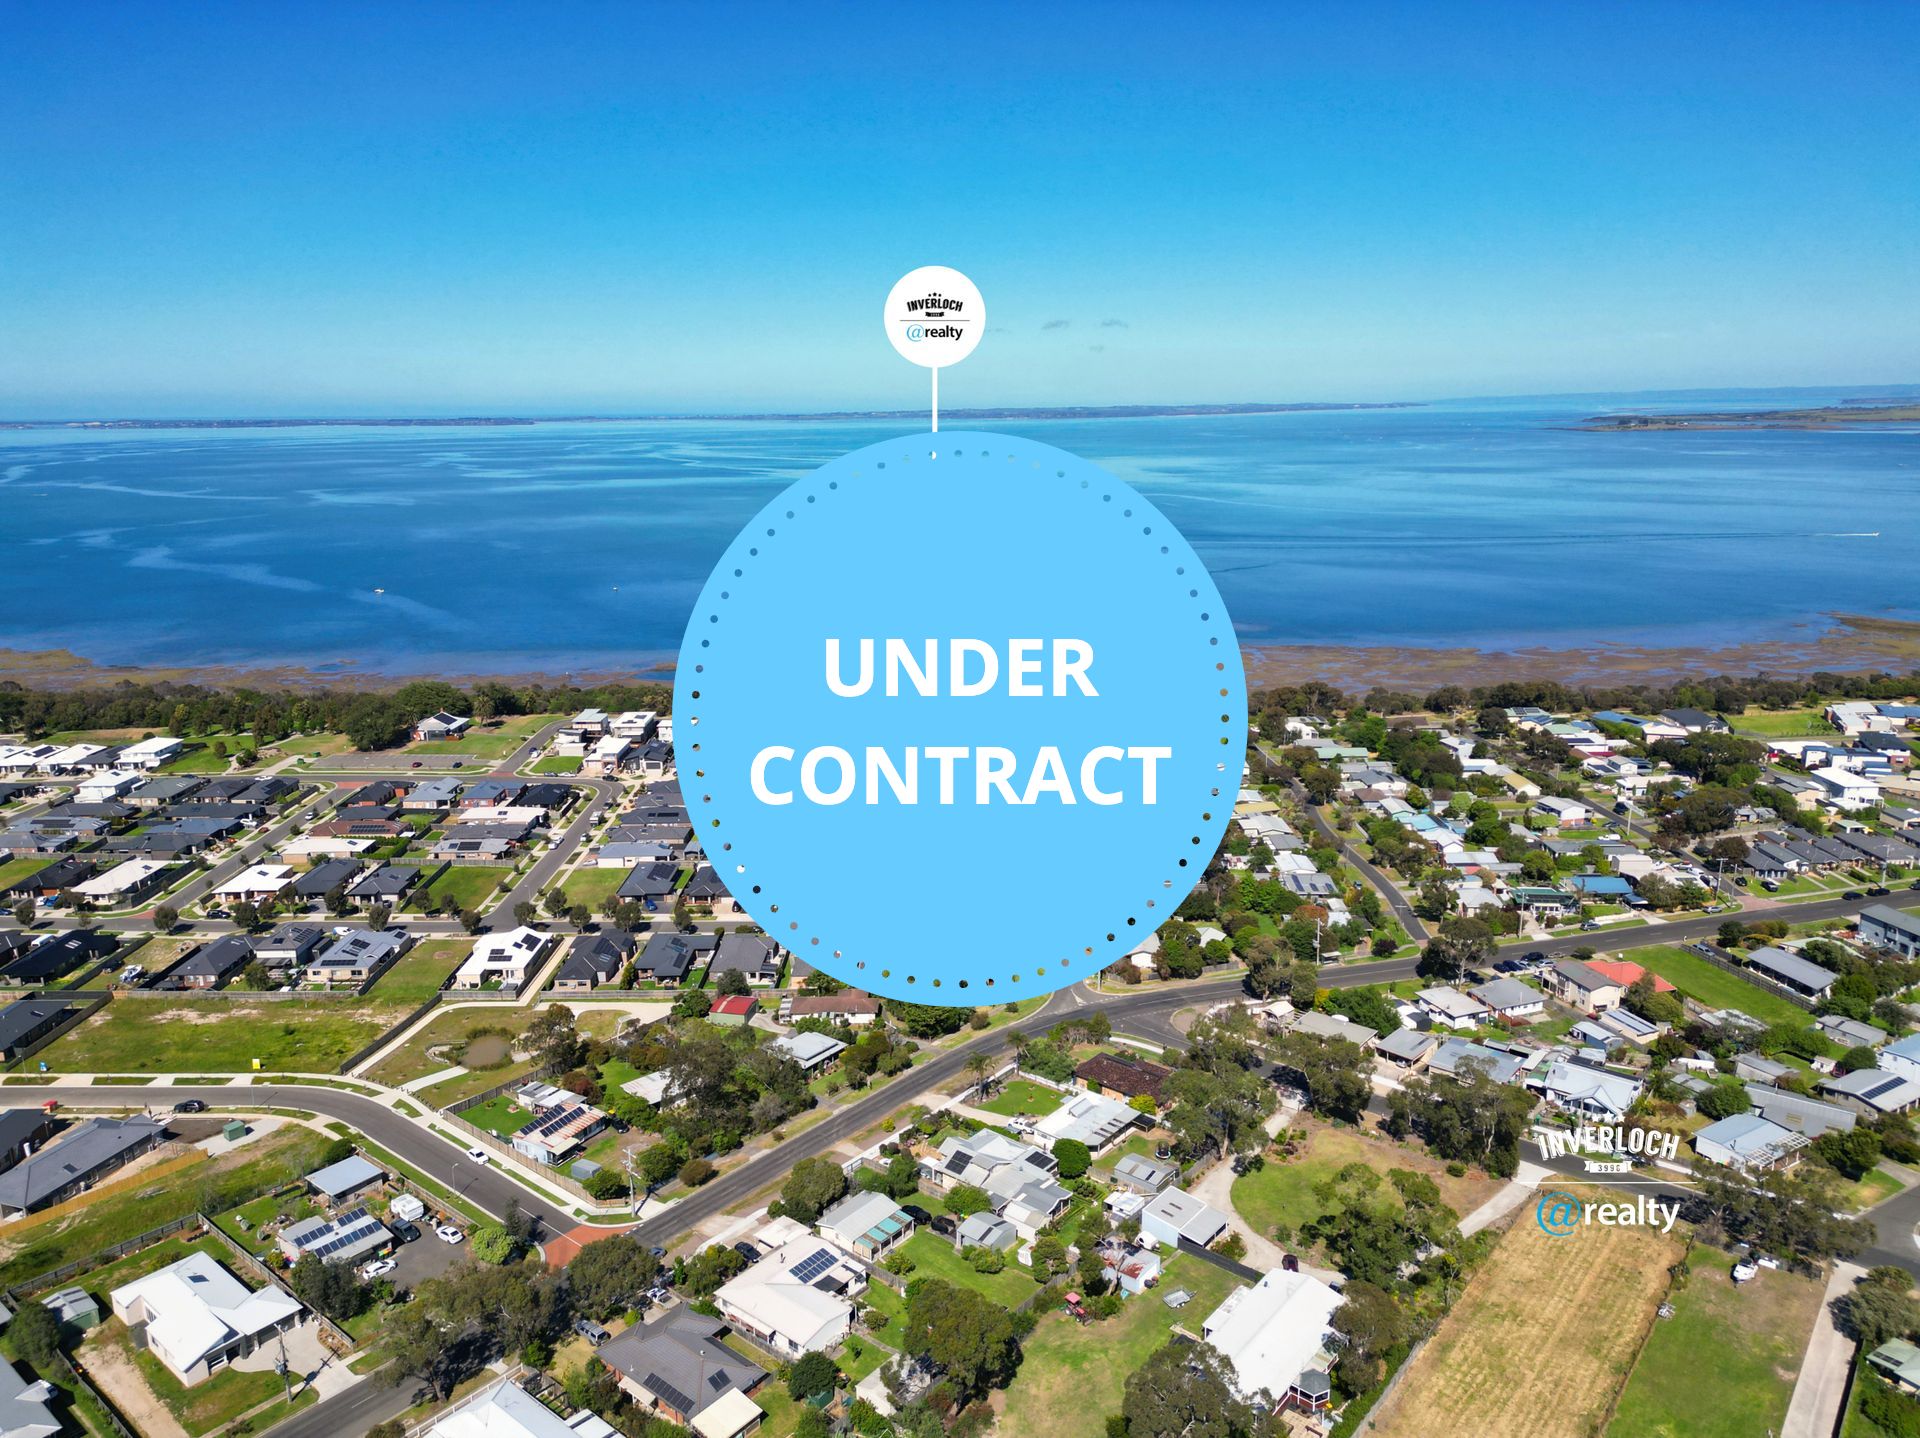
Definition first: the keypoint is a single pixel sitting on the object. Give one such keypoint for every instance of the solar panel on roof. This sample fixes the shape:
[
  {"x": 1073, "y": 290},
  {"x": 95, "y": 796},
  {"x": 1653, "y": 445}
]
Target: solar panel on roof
[
  {"x": 668, "y": 1394},
  {"x": 812, "y": 1266},
  {"x": 719, "y": 1382}
]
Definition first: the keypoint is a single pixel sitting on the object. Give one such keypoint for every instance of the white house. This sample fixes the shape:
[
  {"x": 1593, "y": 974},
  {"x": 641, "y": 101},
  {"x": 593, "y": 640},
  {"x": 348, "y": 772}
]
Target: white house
[
  {"x": 790, "y": 1302},
  {"x": 150, "y": 754},
  {"x": 1510, "y": 999},
  {"x": 1275, "y": 1335},
  {"x": 256, "y": 884},
  {"x": 506, "y": 958},
  {"x": 1451, "y": 1007},
  {"x": 1846, "y": 790},
  {"x": 506, "y": 1410},
  {"x": 196, "y": 1317}
]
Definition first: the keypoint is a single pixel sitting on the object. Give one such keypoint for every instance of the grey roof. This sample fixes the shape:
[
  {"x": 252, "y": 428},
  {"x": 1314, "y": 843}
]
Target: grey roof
[
  {"x": 1876, "y": 1087},
  {"x": 1800, "y": 972},
  {"x": 681, "y": 1360},
  {"x": 749, "y": 953},
  {"x": 1137, "y": 1168},
  {"x": 296, "y": 939},
  {"x": 1507, "y": 994},
  {"x": 648, "y": 881},
  {"x": 214, "y": 959},
  {"x": 1584, "y": 976},
  {"x": 595, "y": 958},
  {"x": 86, "y": 1148},
  {"x": 1798, "y": 1112},
  {"x": 859, "y": 1212},
  {"x": 1454, "y": 1056},
  {"x": 362, "y": 948},
  {"x": 1897, "y": 920},
  {"x": 1407, "y": 1045},
  {"x": 24, "y": 1406},
  {"x": 344, "y": 1176},
  {"x": 1332, "y": 1026},
  {"x": 1850, "y": 1032},
  {"x": 670, "y": 956},
  {"x": 17, "y": 1020},
  {"x": 985, "y": 1230},
  {"x": 386, "y": 882}
]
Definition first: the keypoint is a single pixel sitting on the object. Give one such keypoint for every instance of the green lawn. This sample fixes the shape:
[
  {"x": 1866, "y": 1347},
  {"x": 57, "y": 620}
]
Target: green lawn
[
  {"x": 556, "y": 764},
  {"x": 201, "y": 757},
  {"x": 421, "y": 971},
  {"x": 933, "y": 1257},
  {"x": 1783, "y": 723},
  {"x": 1858, "y": 1425},
  {"x": 492, "y": 741},
  {"x": 1022, "y": 1096},
  {"x": 1724, "y": 1365},
  {"x": 592, "y": 887},
  {"x": 468, "y": 885},
  {"x": 1715, "y": 987},
  {"x": 19, "y": 868},
  {"x": 447, "y": 1031},
  {"x": 1073, "y": 1376},
  {"x": 1874, "y": 1187},
  {"x": 178, "y": 1034},
  {"x": 499, "y": 1115},
  {"x": 113, "y": 1213}
]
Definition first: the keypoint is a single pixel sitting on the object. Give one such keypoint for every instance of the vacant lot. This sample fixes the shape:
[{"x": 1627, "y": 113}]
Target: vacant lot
[
  {"x": 557, "y": 764},
  {"x": 1755, "y": 1334},
  {"x": 1073, "y": 1376},
  {"x": 441, "y": 1043},
  {"x": 1715, "y": 987},
  {"x": 593, "y": 887},
  {"x": 1782, "y": 723},
  {"x": 1284, "y": 1192},
  {"x": 421, "y": 971},
  {"x": 1541, "y": 1340},
  {"x": 184, "y": 1035},
  {"x": 1022, "y": 1096},
  {"x": 468, "y": 885}
]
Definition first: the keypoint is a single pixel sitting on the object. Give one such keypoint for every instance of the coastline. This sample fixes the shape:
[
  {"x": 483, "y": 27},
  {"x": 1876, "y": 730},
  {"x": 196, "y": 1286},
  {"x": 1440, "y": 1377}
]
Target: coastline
[{"x": 1848, "y": 643}]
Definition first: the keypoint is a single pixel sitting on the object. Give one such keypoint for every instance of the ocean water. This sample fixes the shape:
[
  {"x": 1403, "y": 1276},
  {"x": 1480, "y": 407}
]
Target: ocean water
[{"x": 580, "y": 547}]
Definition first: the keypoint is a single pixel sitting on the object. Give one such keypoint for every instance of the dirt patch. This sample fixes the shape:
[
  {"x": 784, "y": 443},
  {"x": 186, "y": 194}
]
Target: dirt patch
[
  {"x": 1541, "y": 1341},
  {"x": 107, "y": 1364},
  {"x": 486, "y": 1051}
]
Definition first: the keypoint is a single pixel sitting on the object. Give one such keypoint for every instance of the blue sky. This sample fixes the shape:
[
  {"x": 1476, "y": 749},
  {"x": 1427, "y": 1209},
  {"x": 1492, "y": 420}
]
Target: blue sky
[{"x": 426, "y": 209}]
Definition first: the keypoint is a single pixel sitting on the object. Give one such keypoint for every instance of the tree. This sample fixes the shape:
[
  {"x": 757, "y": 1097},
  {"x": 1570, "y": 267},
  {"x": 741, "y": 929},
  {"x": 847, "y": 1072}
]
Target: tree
[
  {"x": 1852, "y": 1153},
  {"x": 36, "y": 1336},
  {"x": 1723, "y": 1100},
  {"x": 972, "y": 1341},
  {"x": 1185, "y": 1390},
  {"x": 1373, "y": 1322},
  {"x": 470, "y": 920},
  {"x": 1876, "y": 1309},
  {"x": 978, "y": 1067},
  {"x": 1073, "y": 1157},
  {"x": 338, "y": 1151},
  {"x": 815, "y": 1185},
  {"x": 610, "y": 1275},
  {"x": 524, "y": 913},
  {"x": 813, "y": 1373},
  {"x": 927, "y": 1021},
  {"x": 963, "y": 1200},
  {"x": 330, "y": 1288},
  {"x": 23, "y": 912},
  {"x": 492, "y": 1243},
  {"x": 553, "y": 1039},
  {"x": 732, "y": 983},
  {"x": 165, "y": 916},
  {"x": 1644, "y": 998},
  {"x": 695, "y": 1171},
  {"x": 1857, "y": 1057},
  {"x": 1335, "y": 1072},
  {"x": 1461, "y": 944}
]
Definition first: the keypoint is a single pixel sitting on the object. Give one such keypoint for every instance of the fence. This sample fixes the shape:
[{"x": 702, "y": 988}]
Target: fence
[
  {"x": 88, "y": 1004},
  {"x": 506, "y": 1150},
  {"x": 360, "y": 1056},
  {"x": 1721, "y": 959}
]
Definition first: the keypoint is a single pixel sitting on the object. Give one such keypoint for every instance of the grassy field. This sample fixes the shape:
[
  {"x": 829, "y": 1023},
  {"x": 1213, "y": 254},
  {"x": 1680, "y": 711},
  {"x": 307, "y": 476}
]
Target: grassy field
[
  {"x": 556, "y": 764},
  {"x": 1022, "y": 1096},
  {"x": 500, "y": 1115},
  {"x": 933, "y": 1257},
  {"x": 1783, "y": 723},
  {"x": 116, "y": 1211},
  {"x": 421, "y": 971},
  {"x": 468, "y": 885},
  {"x": 450, "y": 1028},
  {"x": 1755, "y": 1334},
  {"x": 1283, "y": 1192},
  {"x": 1072, "y": 1377},
  {"x": 592, "y": 887},
  {"x": 19, "y": 868},
  {"x": 148, "y": 1035},
  {"x": 1540, "y": 1341},
  {"x": 202, "y": 758},
  {"x": 1715, "y": 987},
  {"x": 492, "y": 741}
]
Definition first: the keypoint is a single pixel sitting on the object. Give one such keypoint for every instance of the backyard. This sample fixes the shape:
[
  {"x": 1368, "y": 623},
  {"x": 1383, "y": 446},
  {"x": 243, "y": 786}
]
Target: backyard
[
  {"x": 184, "y": 1035},
  {"x": 1537, "y": 1345},
  {"x": 1284, "y": 1191},
  {"x": 1756, "y": 1334},
  {"x": 1715, "y": 987},
  {"x": 1022, "y": 1096},
  {"x": 1073, "y": 1377},
  {"x": 421, "y": 971}
]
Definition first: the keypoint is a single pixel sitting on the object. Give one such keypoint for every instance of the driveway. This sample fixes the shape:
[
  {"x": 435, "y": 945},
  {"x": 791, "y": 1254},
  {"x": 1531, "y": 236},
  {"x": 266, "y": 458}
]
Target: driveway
[{"x": 1815, "y": 1409}]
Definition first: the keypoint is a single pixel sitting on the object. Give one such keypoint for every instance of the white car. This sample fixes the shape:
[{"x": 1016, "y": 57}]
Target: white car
[
  {"x": 479, "y": 1154},
  {"x": 379, "y": 1268},
  {"x": 447, "y": 1233}
]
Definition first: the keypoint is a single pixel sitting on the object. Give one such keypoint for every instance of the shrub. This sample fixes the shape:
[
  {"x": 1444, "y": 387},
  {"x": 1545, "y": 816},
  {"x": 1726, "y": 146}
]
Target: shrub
[
  {"x": 493, "y": 1244},
  {"x": 695, "y": 1171}
]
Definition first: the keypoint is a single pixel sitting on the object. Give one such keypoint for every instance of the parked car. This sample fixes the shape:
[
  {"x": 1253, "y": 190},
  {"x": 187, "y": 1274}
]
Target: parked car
[
  {"x": 190, "y": 1105},
  {"x": 414, "y": 765},
  {"x": 1510, "y": 966},
  {"x": 1854, "y": 894},
  {"x": 1536, "y": 956},
  {"x": 1878, "y": 891},
  {"x": 406, "y": 1232},
  {"x": 379, "y": 1268},
  {"x": 458, "y": 764},
  {"x": 219, "y": 914},
  {"x": 479, "y": 1154},
  {"x": 447, "y": 1233},
  {"x": 748, "y": 1251},
  {"x": 659, "y": 1295},
  {"x": 657, "y": 1251},
  {"x": 591, "y": 1331}
]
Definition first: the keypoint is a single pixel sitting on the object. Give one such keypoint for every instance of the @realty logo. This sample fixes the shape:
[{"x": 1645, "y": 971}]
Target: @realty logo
[{"x": 1561, "y": 1214}]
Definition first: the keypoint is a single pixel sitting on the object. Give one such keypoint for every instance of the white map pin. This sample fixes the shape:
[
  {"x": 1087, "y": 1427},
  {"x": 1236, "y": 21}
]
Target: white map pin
[{"x": 934, "y": 316}]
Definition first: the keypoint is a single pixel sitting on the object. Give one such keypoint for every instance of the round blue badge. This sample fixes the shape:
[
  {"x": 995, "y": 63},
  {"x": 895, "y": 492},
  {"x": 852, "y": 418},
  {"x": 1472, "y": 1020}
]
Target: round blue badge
[{"x": 959, "y": 718}]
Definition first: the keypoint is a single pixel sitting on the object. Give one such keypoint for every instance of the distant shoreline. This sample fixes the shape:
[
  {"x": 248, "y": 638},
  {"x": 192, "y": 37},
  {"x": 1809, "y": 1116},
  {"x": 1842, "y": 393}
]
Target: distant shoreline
[
  {"x": 1852, "y": 643},
  {"x": 1051, "y": 412},
  {"x": 1824, "y": 417}
]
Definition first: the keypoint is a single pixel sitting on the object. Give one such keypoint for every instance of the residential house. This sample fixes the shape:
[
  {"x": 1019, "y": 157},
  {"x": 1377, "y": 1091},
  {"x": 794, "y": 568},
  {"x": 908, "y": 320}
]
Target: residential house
[
  {"x": 59, "y": 955},
  {"x": 704, "y": 890},
  {"x": 1510, "y": 999},
  {"x": 1897, "y": 1361},
  {"x": 677, "y": 1367},
  {"x": 506, "y": 959},
  {"x": 344, "y": 1238},
  {"x": 356, "y": 959},
  {"x": 125, "y": 884},
  {"x": 753, "y": 955},
  {"x": 324, "y": 877},
  {"x": 1456, "y": 1058},
  {"x": 1090, "y": 1119},
  {"x": 1405, "y": 1048},
  {"x": 791, "y": 1302},
  {"x": 1797, "y": 1112},
  {"x": 562, "y": 1122},
  {"x": 196, "y": 1317},
  {"x": 26, "y": 1022},
  {"x": 1174, "y": 1216},
  {"x": 441, "y": 725},
  {"x": 985, "y": 1230},
  {"x": 669, "y": 958},
  {"x": 814, "y": 1052},
  {"x": 387, "y": 884},
  {"x": 868, "y": 1225},
  {"x": 49, "y": 882},
  {"x": 651, "y": 884},
  {"x": 1852, "y": 1033},
  {"x": 1895, "y": 930},
  {"x": 1018, "y": 1177},
  {"x": 1449, "y": 1006},
  {"x": 289, "y": 946},
  {"x": 1583, "y": 986},
  {"x": 592, "y": 961},
  {"x": 1277, "y": 1336},
  {"x": 22, "y": 1131},
  {"x": 1143, "y": 1175},
  {"x": 1749, "y": 1142},
  {"x": 733, "y": 1010},
  {"x": 1332, "y": 1026},
  {"x": 1123, "y": 1076},
  {"x": 256, "y": 884},
  {"x": 26, "y": 1409},
  {"x": 84, "y": 1154},
  {"x": 1585, "y": 1089},
  {"x": 210, "y": 965},
  {"x": 340, "y": 1181},
  {"x": 1789, "y": 969},
  {"x": 506, "y": 1410},
  {"x": 854, "y": 1007},
  {"x": 1565, "y": 813},
  {"x": 1871, "y": 1092}
]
